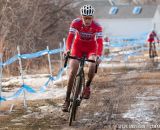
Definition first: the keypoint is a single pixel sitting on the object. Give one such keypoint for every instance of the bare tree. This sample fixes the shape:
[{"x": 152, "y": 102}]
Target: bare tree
[{"x": 33, "y": 24}]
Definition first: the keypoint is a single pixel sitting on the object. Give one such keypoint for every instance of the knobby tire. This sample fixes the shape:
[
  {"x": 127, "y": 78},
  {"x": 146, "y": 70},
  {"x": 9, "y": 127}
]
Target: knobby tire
[{"x": 74, "y": 103}]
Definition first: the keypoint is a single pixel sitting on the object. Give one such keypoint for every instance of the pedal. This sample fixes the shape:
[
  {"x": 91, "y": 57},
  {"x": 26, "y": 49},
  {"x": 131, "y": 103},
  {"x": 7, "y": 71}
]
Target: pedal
[
  {"x": 71, "y": 99},
  {"x": 78, "y": 102}
]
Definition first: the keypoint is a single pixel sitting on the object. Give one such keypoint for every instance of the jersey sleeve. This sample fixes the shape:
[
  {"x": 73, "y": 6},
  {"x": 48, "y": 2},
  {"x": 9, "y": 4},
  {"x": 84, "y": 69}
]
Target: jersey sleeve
[
  {"x": 155, "y": 34},
  {"x": 99, "y": 39},
  {"x": 148, "y": 36},
  {"x": 71, "y": 34}
]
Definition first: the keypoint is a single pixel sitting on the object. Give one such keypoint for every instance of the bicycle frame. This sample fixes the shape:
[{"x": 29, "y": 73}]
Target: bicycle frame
[
  {"x": 152, "y": 50},
  {"x": 77, "y": 88}
]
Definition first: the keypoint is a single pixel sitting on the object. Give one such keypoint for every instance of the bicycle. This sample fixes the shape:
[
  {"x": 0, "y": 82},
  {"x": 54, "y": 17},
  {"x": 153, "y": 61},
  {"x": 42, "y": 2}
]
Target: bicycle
[
  {"x": 153, "y": 52},
  {"x": 78, "y": 85}
]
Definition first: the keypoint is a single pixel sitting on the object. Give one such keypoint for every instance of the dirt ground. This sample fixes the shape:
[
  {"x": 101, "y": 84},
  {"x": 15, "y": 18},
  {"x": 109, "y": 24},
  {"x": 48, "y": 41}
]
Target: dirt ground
[{"x": 123, "y": 99}]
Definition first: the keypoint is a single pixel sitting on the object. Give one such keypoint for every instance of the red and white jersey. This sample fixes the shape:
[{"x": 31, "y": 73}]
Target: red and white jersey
[
  {"x": 87, "y": 36},
  {"x": 151, "y": 37}
]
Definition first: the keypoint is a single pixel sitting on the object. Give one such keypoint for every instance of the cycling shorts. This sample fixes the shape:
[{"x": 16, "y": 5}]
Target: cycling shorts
[
  {"x": 151, "y": 40},
  {"x": 80, "y": 48}
]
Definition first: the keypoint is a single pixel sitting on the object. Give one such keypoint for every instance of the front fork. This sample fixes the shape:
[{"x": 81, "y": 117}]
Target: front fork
[{"x": 80, "y": 95}]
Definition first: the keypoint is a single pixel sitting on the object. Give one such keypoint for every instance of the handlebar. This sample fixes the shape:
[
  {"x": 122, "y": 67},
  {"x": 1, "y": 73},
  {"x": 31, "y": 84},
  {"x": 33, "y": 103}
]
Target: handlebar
[
  {"x": 80, "y": 59},
  {"x": 66, "y": 59}
]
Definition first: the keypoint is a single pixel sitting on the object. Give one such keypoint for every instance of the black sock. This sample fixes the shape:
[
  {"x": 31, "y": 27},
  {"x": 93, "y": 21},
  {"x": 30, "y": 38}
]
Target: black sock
[{"x": 88, "y": 83}]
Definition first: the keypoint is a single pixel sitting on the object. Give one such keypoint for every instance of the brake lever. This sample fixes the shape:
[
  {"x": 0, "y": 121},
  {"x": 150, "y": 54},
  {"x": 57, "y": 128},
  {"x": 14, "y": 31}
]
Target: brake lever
[{"x": 66, "y": 58}]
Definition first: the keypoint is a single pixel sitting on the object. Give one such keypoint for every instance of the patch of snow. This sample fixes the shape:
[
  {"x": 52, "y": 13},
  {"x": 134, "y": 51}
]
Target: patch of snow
[
  {"x": 49, "y": 109},
  {"x": 104, "y": 90},
  {"x": 143, "y": 110},
  {"x": 97, "y": 114},
  {"x": 149, "y": 98},
  {"x": 36, "y": 115},
  {"x": 52, "y": 91},
  {"x": 140, "y": 112}
]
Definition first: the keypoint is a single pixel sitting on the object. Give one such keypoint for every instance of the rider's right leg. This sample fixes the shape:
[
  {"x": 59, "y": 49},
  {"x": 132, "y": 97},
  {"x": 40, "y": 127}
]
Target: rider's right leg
[
  {"x": 72, "y": 73},
  {"x": 91, "y": 74},
  {"x": 154, "y": 52},
  {"x": 150, "y": 50}
]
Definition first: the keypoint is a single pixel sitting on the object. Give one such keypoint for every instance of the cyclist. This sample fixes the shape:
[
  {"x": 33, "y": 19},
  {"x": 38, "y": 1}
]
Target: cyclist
[
  {"x": 85, "y": 37},
  {"x": 152, "y": 47},
  {"x": 106, "y": 45}
]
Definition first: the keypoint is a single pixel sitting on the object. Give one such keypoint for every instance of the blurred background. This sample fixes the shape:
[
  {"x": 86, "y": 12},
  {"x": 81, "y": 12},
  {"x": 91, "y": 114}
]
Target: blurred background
[{"x": 35, "y": 24}]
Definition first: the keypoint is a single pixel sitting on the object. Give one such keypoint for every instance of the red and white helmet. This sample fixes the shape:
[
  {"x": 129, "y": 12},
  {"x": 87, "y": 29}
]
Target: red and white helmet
[{"x": 87, "y": 10}]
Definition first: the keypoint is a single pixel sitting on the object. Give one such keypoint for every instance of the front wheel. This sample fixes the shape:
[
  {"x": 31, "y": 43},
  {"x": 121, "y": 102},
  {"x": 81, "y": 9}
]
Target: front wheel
[{"x": 74, "y": 104}]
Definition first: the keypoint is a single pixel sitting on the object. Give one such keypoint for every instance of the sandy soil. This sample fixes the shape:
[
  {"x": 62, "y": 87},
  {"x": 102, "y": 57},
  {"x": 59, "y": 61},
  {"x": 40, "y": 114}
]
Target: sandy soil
[{"x": 122, "y": 99}]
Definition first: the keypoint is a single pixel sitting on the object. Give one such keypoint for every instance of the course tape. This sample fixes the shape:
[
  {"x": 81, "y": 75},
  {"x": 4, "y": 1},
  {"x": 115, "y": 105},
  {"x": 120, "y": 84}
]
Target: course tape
[
  {"x": 115, "y": 42},
  {"x": 29, "y": 89},
  {"x": 2, "y": 99},
  {"x": 32, "y": 55}
]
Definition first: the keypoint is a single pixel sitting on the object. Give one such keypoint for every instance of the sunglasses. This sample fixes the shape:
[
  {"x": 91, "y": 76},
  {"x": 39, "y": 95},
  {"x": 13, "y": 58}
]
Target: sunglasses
[{"x": 87, "y": 17}]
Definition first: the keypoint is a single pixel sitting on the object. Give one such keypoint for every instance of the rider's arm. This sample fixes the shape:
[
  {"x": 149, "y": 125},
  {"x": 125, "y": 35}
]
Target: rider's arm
[
  {"x": 71, "y": 35},
  {"x": 155, "y": 35},
  {"x": 157, "y": 39},
  {"x": 69, "y": 41},
  {"x": 99, "y": 39},
  {"x": 148, "y": 37}
]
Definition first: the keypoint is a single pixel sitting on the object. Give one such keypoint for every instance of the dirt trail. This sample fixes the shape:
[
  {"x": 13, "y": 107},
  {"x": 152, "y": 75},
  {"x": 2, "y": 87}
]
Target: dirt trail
[{"x": 119, "y": 100}]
